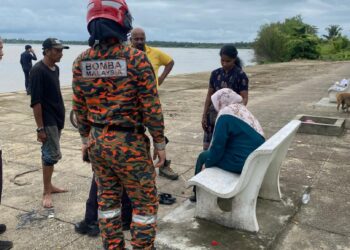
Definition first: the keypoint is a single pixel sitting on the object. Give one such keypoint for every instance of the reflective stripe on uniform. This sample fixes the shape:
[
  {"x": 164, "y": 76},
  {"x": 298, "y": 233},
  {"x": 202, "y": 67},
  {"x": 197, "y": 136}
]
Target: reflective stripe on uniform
[
  {"x": 144, "y": 219},
  {"x": 109, "y": 214}
]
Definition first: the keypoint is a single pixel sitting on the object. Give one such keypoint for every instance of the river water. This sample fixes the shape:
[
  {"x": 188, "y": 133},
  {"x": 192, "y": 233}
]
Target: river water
[{"x": 187, "y": 60}]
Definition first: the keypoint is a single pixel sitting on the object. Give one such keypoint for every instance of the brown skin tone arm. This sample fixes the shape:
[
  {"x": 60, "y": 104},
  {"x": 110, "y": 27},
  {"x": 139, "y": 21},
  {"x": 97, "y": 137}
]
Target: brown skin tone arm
[
  {"x": 38, "y": 115},
  {"x": 206, "y": 107},
  {"x": 244, "y": 95},
  {"x": 166, "y": 71},
  {"x": 161, "y": 156}
]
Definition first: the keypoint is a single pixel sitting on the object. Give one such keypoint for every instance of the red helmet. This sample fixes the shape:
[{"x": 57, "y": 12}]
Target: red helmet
[{"x": 115, "y": 10}]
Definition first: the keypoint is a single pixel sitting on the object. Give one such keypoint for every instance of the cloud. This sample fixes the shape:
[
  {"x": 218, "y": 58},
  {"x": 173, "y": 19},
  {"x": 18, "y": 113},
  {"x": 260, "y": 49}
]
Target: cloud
[
  {"x": 38, "y": 19},
  {"x": 171, "y": 20}
]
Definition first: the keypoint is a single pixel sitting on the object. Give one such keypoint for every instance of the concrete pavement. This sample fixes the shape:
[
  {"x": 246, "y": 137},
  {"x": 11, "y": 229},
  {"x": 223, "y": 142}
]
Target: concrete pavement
[{"x": 319, "y": 165}]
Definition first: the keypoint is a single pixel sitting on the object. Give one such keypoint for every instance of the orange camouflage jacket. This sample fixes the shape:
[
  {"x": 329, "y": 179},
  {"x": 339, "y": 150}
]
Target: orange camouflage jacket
[{"x": 116, "y": 86}]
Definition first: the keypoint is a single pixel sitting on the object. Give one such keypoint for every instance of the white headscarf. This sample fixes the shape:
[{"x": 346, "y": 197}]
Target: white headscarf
[{"x": 228, "y": 102}]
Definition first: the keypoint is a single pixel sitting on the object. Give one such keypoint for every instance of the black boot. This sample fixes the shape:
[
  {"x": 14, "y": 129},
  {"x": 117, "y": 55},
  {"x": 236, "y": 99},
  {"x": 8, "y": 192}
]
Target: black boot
[
  {"x": 193, "y": 198},
  {"x": 2, "y": 228},
  {"x": 91, "y": 229},
  {"x": 5, "y": 245}
]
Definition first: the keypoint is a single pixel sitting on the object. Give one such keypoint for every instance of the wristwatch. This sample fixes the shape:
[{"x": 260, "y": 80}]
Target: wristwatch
[{"x": 38, "y": 130}]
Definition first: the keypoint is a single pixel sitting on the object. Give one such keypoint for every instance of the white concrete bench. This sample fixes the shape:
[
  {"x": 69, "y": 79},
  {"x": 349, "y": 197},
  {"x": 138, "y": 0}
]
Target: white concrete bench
[{"x": 242, "y": 190}]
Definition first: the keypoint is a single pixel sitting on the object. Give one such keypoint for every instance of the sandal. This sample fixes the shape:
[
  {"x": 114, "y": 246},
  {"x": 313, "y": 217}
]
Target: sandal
[{"x": 166, "y": 199}]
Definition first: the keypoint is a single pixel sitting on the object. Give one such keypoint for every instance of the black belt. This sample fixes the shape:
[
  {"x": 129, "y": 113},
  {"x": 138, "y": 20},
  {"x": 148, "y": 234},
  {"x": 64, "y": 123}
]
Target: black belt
[{"x": 114, "y": 127}]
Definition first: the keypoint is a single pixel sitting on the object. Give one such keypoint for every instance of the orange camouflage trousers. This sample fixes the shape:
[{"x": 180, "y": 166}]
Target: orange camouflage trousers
[{"x": 122, "y": 159}]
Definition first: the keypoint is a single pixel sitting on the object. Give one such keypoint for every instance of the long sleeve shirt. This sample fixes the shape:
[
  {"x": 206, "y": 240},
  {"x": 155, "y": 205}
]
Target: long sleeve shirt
[
  {"x": 116, "y": 86},
  {"x": 26, "y": 60},
  {"x": 233, "y": 141}
]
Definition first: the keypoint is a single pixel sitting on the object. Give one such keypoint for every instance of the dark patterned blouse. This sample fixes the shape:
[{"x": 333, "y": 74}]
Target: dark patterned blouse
[{"x": 235, "y": 79}]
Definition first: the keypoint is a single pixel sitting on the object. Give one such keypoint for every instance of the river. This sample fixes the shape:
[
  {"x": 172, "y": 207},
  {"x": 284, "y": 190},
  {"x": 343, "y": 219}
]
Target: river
[{"x": 187, "y": 60}]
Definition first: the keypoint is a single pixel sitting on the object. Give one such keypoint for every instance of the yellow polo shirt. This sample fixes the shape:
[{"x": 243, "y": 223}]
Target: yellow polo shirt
[{"x": 157, "y": 58}]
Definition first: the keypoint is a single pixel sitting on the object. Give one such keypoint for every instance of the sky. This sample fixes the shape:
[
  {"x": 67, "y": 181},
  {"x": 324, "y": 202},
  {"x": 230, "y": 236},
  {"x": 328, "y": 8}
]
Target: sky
[{"x": 171, "y": 20}]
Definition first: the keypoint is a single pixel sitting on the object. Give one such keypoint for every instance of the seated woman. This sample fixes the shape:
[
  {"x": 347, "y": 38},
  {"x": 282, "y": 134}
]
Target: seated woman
[{"x": 237, "y": 133}]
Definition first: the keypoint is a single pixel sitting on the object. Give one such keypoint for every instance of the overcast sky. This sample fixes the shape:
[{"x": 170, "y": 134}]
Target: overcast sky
[{"x": 171, "y": 20}]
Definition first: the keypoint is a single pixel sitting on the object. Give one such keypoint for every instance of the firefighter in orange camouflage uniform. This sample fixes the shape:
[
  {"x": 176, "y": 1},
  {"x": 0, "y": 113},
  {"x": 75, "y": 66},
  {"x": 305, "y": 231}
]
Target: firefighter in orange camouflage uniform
[{"x": 114, "y": 98}]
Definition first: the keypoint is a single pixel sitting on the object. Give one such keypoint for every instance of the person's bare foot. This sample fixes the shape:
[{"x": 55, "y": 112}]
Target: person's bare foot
[
  {"x": 56, "y": 190},
  {"x": 47, "y": 201}
]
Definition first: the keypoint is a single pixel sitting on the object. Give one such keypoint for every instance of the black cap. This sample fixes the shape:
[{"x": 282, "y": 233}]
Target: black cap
[
  {"x": 27, "y": 47},
  {"x": 53, "y": 43}
]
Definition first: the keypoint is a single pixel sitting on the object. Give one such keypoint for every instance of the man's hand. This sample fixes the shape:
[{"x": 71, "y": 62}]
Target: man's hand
[
  {"x": 41, "y": 136},
  {"x": 166, "y": 71},
  {"x": 161, "y": 155}
]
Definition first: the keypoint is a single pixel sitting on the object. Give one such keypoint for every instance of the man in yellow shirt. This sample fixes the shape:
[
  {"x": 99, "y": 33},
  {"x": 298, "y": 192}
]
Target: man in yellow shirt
[{"x": 157, "y": 58}]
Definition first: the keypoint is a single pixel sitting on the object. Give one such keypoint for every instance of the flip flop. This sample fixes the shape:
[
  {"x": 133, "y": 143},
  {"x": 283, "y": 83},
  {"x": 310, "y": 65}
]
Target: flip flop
[
  {"x": 165, "y": 202},
  {"x": 166, "y": 199},
  {"x": 167, "y": 196}
]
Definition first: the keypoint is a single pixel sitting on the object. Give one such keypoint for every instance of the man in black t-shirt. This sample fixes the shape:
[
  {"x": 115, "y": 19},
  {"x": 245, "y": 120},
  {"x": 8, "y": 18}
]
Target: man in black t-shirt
[
  {"x": 26, "y": 61},
  {"x": 49, "y": 111}
]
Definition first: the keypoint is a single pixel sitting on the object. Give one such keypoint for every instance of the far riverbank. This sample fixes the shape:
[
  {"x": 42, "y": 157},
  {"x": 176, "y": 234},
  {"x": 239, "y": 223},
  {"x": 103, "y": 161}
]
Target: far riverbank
[{"x": 187, "y": 60}]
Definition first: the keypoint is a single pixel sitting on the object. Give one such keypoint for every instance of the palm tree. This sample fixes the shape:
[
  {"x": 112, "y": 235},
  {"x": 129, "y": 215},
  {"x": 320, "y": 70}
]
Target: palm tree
[{"x": 334, "y": 31}]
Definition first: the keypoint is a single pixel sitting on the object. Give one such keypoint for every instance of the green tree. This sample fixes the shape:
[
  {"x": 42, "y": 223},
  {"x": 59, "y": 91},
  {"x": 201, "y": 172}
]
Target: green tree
[
  {"x": 296, "y": 27},
  {"x": 271, "y": 44},
  {"x": 334, "y": 31},
  {"x": 340, "y": 43},
  {"x": 303, "y": 47},
  {"x": 278, "y": 42}
]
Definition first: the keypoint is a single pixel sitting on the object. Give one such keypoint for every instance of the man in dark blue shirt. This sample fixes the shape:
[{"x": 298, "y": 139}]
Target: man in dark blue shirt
[{"x": 26, "y": 61}]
